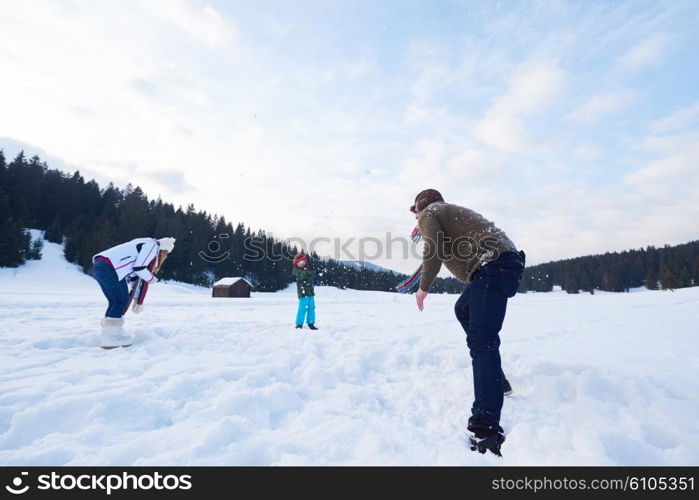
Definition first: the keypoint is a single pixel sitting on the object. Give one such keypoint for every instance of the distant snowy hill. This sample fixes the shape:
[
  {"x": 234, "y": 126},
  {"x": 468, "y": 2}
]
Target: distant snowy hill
[
  {"x": 604, "y": 379},
  {"x": 357, "y": 264},
  {"x": 52, "y": 270}
]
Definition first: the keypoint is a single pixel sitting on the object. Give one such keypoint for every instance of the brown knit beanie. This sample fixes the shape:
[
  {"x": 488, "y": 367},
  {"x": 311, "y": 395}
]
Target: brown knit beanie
[{"x": 424, "y": 198}]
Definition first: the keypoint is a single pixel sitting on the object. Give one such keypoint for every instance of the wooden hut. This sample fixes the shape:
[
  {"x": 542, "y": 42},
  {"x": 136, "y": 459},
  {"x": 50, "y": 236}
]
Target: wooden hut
[{"x": 232, "y": 287}]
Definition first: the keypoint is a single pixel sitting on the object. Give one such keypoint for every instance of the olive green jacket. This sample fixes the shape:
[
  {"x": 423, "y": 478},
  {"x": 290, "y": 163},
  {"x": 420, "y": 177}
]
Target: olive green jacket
[
  {"x": 461, "y": 238},
  {"x": 304, "y": 282}
]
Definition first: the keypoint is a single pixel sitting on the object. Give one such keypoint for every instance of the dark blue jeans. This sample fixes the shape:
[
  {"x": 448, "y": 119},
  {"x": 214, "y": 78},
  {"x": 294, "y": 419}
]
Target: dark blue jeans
[
  {"x": 481, "y": 311},
  {"x": 117, "y": 292}
]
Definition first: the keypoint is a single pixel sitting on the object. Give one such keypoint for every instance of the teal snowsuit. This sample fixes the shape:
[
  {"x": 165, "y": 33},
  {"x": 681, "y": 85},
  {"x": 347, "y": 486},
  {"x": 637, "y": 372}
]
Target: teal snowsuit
[{"x": 304, "y": 288}]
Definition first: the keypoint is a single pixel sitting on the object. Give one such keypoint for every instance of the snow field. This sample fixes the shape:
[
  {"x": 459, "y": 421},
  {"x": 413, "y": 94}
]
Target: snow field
[{"x": 599, "y": 380}]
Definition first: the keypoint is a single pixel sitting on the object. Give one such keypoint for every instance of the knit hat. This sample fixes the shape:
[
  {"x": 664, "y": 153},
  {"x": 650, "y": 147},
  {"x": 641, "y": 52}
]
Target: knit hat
[
  {"x": 424, "y": 198},
  {"x": 167, "y": 244},
  {"x": 298, "y": 258}
]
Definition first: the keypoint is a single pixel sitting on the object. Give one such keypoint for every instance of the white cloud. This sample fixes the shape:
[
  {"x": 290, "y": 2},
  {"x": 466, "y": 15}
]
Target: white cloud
[
  {"x": 603, "y": 104},
  {"x": 654, "y": 205},
  {"x": 505, "y": 131},
  {"x": 201, "y": 22},
  {"x": 587, "y": 152},
  {"x": 426, "y": 161},
  {"x": 644, "y": 54},
  {"x": 314, "y": 131},
  {"x": 678, "y": 120},
  {"x": 471, "y": 164},
  {"x": 100, "y": 85},
  {"x": 532, "y": 88},
  {"x": 674, "y": 176},
  {"x": 437, "y": 162},
  {"x": 581, "y": 218}
]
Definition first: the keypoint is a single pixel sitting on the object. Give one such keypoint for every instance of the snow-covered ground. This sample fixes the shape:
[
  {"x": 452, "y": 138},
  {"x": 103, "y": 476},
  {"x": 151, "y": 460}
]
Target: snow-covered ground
[{"x": 598, "y": 380}]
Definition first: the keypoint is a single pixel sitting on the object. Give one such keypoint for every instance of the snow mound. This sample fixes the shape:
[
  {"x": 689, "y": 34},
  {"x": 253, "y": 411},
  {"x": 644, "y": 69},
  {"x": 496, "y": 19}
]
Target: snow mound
[{"x": 52, "y": 271}]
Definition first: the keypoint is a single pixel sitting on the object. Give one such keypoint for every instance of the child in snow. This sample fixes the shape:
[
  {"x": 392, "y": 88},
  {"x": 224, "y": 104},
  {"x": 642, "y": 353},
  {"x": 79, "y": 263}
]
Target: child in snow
[
  {"x": 138, "y": 258},
  {"x": 304, "y": 287},
  {"x": 481, "y": 255}
]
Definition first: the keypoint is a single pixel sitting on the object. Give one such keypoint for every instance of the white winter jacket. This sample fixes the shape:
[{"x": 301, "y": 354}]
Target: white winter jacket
[{"x": 132, "y": 257}]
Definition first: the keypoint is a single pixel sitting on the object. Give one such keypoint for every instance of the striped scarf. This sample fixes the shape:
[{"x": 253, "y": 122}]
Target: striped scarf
[{"x": 405, "y": 285}]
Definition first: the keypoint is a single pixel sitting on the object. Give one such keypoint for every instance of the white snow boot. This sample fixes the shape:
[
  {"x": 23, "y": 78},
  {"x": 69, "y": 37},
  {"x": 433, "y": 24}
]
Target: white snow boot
[{"x": 113, "y": 334}]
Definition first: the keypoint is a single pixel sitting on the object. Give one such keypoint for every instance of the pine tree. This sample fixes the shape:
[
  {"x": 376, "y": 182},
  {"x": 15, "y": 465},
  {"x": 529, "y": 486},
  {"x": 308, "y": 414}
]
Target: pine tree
[
  {"x": 14, "y": 244},
  {"x": 54, "y": 233},
  {"x": 71, "y": 251},
  {"x": 35, "y": 249},
  {"x": 651, "y": 280},
  {"x": 667, "y": 278}
]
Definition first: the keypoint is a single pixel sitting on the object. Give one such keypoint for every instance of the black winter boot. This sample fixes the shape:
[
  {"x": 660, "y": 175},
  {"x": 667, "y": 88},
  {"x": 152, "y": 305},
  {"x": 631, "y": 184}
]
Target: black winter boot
[
  {"x": 483, "y": 441},
  {"x": 312, "y": 326},
  {"x": 506, "y": 387},
  {"x": 298, "y": 327}
]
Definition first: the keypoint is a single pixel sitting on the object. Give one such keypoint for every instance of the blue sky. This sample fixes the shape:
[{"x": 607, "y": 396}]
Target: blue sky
[{"x": 574, "y": 125}]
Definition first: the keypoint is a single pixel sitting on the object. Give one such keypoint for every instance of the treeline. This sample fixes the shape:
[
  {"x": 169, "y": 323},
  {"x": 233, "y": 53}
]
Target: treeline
[
  {"x": 88, "y": 219},
  {"x": 335, "y": 273},
  {"x": 666, "y": 268}
]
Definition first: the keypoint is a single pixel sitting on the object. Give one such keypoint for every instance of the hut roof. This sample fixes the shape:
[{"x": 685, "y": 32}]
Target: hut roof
[{"x": 231, "y": 281}]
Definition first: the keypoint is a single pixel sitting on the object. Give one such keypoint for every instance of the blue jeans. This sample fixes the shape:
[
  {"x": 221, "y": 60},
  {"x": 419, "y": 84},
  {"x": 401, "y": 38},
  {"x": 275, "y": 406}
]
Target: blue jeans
[
  {"x": 117, "y": 292},
  {"x": 307, "y": 310},
  {"x": 481, "y": 311}
]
